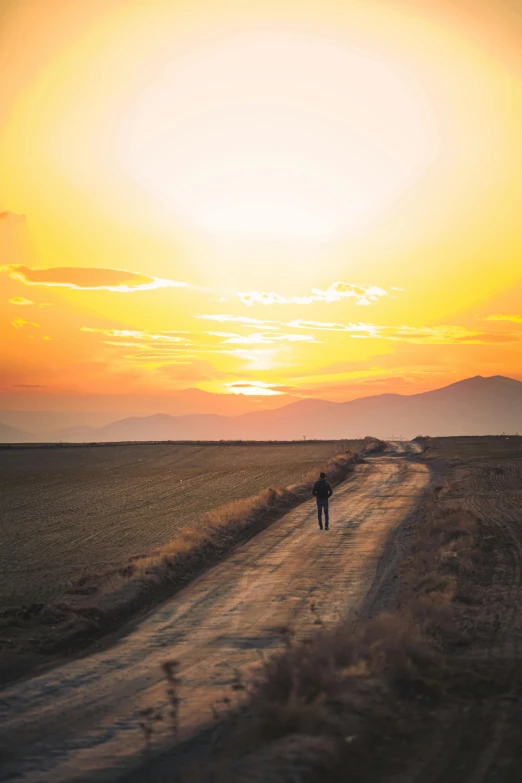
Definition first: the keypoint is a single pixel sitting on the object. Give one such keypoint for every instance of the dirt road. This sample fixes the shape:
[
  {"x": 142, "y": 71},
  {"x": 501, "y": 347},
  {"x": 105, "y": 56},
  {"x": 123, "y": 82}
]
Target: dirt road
[{"x": 79, "y": 722}]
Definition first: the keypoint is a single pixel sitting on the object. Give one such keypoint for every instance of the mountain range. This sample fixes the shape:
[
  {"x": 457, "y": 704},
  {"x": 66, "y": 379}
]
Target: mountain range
[{"x": 475, "y": 406}]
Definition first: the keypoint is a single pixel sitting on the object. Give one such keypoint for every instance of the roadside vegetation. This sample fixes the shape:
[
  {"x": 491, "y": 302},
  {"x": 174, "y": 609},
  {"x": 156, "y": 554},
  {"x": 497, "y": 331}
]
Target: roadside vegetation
[
  {"x": 420, "y": 691},
  {"x": 99, "y": 602},
  {"x": 76, "y": 510}
]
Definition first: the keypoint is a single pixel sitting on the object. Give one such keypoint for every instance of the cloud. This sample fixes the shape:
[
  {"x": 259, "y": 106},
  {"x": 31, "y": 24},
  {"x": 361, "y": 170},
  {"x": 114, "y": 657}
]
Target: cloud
[
  {"x": 160, "y": 337},
  {"x": 434, "y": 335},
  {"x": 259, "y": 338},
  {"x": 446, "y": 334},
  {"x": 22, "y": 301},
  {"x": 297, "y": 323},
  {"x": 257, "y": 384},
  {"x": 13, "y": 216},
  {"x": 28, "y": 386},
  {"x": 272, "y": 324},
  {"x": 161, "y": 347},
  {"x": 326, "y": 326},
  {"x": 20, "y": 323},
  {"x": 245, "y": 384},
  {"x": 87, "y": 279},
  {"x": 363, "y": 294},
  {"x": 253, "y": 388},
  {"x": 240, "y": 319},
  {"x": 146, "y": 355},
  {"x": 516, "y": 319}
]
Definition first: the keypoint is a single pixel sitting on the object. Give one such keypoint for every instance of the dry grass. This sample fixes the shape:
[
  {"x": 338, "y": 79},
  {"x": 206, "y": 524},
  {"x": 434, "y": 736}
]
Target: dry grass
[
  {"x": 217, "y": 532},
  {"x": 98, "y": 603},
  {"x": 327, "y": 708},
  {"x": 75, "y": 510}
]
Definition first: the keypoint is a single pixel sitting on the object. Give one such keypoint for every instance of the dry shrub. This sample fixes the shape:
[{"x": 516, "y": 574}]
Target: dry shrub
[
  {"x": 288, "y": 759},
  {"x": 96, "y": 603},
  {"x": 220, "y": 530},
  {"x": 353, "y": 689},
  {"x": 328, "y": 684},
  {"x": 374, "y": 445},
  {"x": 331, "y": 698},
  {"x": 442, "y": 558}
]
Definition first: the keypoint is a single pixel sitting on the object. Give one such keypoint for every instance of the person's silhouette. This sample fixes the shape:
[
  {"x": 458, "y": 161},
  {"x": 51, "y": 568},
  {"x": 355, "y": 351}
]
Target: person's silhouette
[{"x": 322, "y": 491}]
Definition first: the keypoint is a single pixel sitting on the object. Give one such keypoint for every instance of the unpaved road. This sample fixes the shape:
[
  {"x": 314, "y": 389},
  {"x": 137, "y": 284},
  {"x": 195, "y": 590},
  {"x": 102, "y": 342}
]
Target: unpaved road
[{"x": 79, "y": 722}]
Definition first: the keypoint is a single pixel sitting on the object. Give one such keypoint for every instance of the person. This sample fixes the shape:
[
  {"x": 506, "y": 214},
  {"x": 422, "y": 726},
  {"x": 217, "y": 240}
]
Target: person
[{"x": 322, "y": 491}]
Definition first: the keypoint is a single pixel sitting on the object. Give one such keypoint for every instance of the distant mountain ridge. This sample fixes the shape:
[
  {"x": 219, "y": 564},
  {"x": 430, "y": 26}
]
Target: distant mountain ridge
[
  {"x": 12, "y": 434},
  {"x": 474, "y": 406},
  {"x": 110, "y": 408}
]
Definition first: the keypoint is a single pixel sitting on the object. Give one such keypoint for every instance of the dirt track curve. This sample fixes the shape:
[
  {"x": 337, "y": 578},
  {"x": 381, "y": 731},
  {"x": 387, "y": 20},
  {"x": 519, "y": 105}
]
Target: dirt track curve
[{"x": 79, "y": 722}]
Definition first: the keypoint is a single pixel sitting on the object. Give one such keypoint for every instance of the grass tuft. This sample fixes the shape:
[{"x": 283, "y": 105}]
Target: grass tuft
[
  {"x": 344, "y": 695},
  {"x": 97, "y": 603}
]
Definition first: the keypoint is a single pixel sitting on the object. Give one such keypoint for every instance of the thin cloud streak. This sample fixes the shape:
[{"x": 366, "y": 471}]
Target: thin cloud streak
[
  {"x": 256, "y": 338},
  {"x": 516, "y": 319},
  {"x": 242, "y": 320},
  {"x": 364, "y": 295},
  {"x": 442, "y": 334},
  {"x": 19, "y": 323},
  {"x": 137, "y": 334},
  {"x": 87, "y": 278},
  {"x": 13, "y": 216}
]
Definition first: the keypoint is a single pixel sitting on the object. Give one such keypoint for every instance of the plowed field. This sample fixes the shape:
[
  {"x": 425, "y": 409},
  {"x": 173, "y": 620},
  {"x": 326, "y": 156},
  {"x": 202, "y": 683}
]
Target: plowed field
[
  {"x": 70, "y": 510},
  {"x": 220, "y": 624},
  {"x": 478, "y": 740}
]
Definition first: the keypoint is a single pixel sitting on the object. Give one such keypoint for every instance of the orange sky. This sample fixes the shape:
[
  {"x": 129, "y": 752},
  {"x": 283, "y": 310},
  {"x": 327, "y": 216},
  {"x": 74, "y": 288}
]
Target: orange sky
[{"x": 318, "y": 198}]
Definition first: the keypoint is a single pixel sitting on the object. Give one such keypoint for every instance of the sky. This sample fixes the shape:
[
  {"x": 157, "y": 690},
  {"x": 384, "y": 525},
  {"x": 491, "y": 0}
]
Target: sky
[{"x": 270, "y": 200}]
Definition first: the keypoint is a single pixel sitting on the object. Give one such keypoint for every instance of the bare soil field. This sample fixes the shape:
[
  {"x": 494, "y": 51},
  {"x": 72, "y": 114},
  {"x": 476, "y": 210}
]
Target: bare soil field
[
  {"x": 75, "y": 510},
  {"x": 287, "y": 663},
  {"x": 476, "y": 737},
  {"x": 81, "y": 721},
  {"x": 473, "y": 449},
  {"x": 151, "y": 518}
]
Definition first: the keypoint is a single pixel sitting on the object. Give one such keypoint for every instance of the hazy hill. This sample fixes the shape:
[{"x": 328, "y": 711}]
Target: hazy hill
[
  {"x": 475, "y": 406},
  {"x": 165, "y": 427},
  {"x": 110, "y": 408},
  {"x": 13, "y": 435}
]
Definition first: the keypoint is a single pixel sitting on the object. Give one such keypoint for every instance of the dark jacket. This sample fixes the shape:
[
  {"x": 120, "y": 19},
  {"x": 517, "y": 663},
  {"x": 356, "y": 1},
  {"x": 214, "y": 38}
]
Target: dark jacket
[{"x": 322, "y": 489}]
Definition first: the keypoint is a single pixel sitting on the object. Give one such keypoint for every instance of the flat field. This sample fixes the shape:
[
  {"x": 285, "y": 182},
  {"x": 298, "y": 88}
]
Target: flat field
[
  {"x": 476, "y": 448},
  {"x": 71, "y": 510},
  {"x": 485, "y": 478}
]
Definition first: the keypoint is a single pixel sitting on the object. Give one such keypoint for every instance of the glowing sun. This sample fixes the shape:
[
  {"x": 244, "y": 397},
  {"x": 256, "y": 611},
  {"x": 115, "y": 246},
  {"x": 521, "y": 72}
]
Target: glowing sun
[{"x": 280, "y": 135}]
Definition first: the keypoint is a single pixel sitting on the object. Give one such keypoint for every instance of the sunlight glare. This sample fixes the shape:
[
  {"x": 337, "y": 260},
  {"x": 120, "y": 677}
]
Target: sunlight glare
[{"x": 280, "y": 135}]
